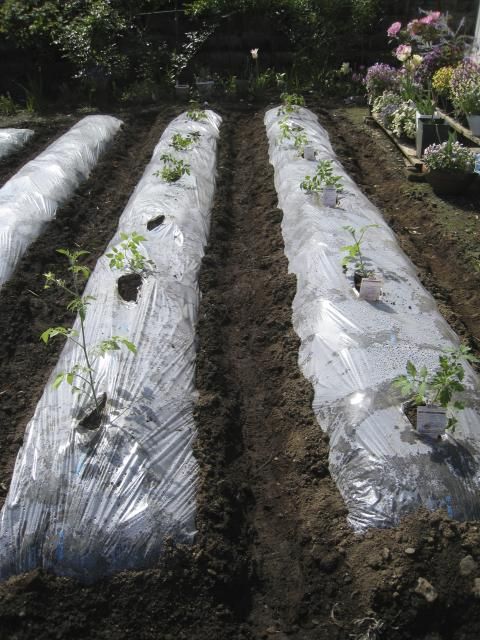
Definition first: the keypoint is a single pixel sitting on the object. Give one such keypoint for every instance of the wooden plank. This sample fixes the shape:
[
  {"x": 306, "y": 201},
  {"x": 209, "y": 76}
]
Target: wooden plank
[
  {"x": 461, "y": 129},
  {"x": 409, "y": 153}
]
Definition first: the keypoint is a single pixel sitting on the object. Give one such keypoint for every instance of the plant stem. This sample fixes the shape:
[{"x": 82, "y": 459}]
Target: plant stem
[{"x": 83, "y": 343}]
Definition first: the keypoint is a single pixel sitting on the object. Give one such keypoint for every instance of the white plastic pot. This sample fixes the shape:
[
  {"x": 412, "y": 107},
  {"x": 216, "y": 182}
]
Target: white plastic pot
[
  {"x": 329, "y": 196},
  {"x": 474, "y": 124},
  {"x": 205, "y": 87},
  {"x": 431, "y": 420},
  {"x": 309, "y": 153},
  {"x": 370, "y": 289}
]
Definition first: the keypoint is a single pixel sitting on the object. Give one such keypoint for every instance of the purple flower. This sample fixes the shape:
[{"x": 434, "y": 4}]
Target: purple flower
[{"x": 380, "y": 77}]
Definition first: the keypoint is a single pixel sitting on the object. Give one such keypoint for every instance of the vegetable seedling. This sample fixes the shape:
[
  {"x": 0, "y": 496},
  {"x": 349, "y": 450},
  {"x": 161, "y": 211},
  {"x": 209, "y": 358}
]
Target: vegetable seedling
[
  {"x": 354, "y": 252},
  {"x": 173, "y": 168},
  {"x": 81, "y": 375},
  {"x": 323, "y": 177},
  {"x": 439, "y": 387},
  {"x": 181, "y": 143}
]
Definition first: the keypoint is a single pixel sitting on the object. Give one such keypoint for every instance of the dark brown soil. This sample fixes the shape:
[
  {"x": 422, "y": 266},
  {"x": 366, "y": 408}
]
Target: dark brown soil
[{"x": 274, "y": 555}]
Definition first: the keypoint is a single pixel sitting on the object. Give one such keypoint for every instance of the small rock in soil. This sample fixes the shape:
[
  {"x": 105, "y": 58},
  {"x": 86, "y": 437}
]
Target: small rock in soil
[
  {"x": 476, "y": 588},
  {"x": 467, "y": 566},
  {"x": 410, "y": 551},
  {"x": 425, "y": 589}
]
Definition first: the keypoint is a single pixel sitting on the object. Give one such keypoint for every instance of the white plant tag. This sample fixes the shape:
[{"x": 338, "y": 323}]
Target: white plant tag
[
  {"x": 309, "y": 153},
  {"x": 370, "y": 289},
  {"x": 431, "y": 421}
]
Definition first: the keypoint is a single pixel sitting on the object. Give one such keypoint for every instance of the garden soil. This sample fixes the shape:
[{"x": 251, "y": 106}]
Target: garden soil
[{"x": 274, "y": 556}]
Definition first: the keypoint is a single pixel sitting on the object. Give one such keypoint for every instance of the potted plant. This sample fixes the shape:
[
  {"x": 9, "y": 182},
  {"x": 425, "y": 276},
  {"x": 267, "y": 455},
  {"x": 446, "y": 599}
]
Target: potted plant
[
  {"x": 368, "y": 285},
  {"x": 465, "y": 92},
  {"x": 204, "y": 83},
  {"x": 450, "y": 166},
  {"x": 432, "y": 394},
  {"x": 431, "y": 129},
  {"x": 324, "y": 181},
  {"x": 182, "y": 91}
]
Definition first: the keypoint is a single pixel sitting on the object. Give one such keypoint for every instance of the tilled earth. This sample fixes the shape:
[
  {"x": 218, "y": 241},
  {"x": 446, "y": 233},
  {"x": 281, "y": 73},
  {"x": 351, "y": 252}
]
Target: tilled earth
[{"x": 274, "y": 555}]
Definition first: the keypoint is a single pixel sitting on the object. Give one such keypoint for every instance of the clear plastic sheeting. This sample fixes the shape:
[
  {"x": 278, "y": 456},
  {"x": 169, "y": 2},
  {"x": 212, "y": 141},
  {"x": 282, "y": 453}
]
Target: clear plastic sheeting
[
  {"x": 32, "y": 196},
  {"x": 87, "y": 503},
  {"x": 351, "y": 350},
  {"x": 12, "y": 140}
]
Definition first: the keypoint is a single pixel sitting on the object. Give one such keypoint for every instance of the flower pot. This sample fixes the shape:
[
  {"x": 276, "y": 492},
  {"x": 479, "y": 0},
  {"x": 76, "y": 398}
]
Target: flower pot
[
  {"x": 449, "y": 183},
  {"x": 242, "y": 86},
  {"x": 430, "y": 131},
  {"x": 370, "y": 288},
  {"x": 431, "y": 421},
  {"x": 474, "y": 124},
  {"x": 309, "y": 153},
  {"x": 205, "y": 87},
  {"x": 182, "y": 91},
  {"x": 329, "y": 196}
]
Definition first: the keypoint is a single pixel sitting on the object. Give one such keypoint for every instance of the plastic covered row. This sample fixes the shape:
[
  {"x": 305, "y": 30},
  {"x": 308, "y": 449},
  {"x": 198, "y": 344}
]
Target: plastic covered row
[
  {"x": 12, "y": 140},
  {"x": 87, "y": 502},
  {"x": 32, "y": 196},
  {"x": 351, "y": 349}
]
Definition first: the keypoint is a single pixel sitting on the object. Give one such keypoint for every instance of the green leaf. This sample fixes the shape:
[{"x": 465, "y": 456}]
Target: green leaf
[
  {"x": 59, "y": 378},
  {"x": 411, "y": 370}
]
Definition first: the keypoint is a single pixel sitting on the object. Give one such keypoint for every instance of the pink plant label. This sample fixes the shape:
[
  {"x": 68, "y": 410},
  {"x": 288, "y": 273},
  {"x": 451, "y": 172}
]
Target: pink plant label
[{"x": 370, "y": 289}]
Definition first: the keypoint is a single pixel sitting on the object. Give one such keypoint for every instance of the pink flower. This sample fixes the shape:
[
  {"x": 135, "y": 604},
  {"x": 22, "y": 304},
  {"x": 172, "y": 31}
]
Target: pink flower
[
  {"x": 413, "y": 27},
  {"x": 403, "y": 51},
  {"x": 393, "y": 29},
  {"x": 431, "y": 17}
]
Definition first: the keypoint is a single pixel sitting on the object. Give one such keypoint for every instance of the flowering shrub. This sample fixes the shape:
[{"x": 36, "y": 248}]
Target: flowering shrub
[
  {"x": 403, "y": 121},
  {"x": 385, "y": 106},
  {"x": 465, "y": 87},
  {"x": 441, "y": 80},
  {"x": 433, "y": 39},
  {"x": 449, "y": 156},
  {"x": 380, "y": 77}
]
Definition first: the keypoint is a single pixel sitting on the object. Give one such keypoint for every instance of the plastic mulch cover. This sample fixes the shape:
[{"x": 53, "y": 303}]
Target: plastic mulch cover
[
  {"x": 85, "y": 502},
  {"x": 32, "y": 196},
  {"x": 13, "y": 139},
  {"x": 353, "y": 349}
]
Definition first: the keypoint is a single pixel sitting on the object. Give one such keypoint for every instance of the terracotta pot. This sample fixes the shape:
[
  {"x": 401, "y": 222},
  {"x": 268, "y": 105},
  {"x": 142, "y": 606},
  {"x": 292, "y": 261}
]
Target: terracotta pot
[{"x": 449, "y": 183}]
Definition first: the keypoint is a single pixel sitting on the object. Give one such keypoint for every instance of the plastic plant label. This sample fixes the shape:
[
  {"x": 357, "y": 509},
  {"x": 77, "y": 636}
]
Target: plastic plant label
[
  {"x": 431, "y": 421},
  {"x": 329, "y": 196},
  {"x": 370, "y": 289},
  {"x": 309, "y": 153}
]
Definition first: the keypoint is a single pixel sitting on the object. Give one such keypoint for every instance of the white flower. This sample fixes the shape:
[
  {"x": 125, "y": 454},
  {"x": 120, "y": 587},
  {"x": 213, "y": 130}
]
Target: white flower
[
  {"x": 254, "y": 53},
  {"x": 344, "y": 69}
]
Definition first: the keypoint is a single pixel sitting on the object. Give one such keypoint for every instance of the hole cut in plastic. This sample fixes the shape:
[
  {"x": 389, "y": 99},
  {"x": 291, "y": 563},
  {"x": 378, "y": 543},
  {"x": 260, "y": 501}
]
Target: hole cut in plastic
[
  {"x": 129, "y": 286},
  {"x": 155, "y": 222},
  {"x": 93, "y": 419}
]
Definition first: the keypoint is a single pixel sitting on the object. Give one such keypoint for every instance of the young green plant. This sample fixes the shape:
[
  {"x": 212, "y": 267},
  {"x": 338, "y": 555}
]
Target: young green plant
[
  {"x": 173, "y": 168},
  {"x": 354, "y": 252},
  {"x": 293, "y": 132},
  {"x": 181, "y": 143},
  {"x": 82, "y": 372},
  {"x": 290, "y": 103},
  {"x": 323, "y": 177},
  {"x": 423, "y": 387},
  {"x": 196, "y": 114},
  {"x": 127, "y": 254}
]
